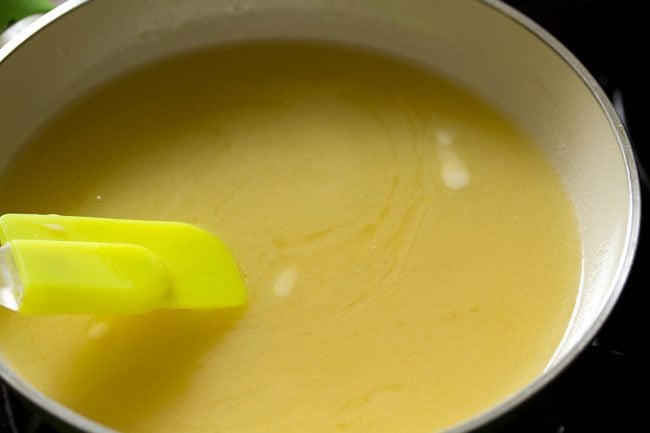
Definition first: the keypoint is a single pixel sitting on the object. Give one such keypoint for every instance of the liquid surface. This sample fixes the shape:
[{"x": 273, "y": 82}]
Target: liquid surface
[{"x": 412, "y": 258}]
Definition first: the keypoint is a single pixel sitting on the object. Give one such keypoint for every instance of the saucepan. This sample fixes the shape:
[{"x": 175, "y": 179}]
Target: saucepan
[{"x": 485, "y": 46}]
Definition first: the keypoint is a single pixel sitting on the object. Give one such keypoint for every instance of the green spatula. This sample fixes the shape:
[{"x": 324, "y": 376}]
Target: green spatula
[{"x": 52, "y": 264}]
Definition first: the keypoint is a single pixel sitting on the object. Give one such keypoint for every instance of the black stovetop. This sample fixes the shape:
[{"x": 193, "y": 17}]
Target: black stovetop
[{"x": 595, "y": 393}]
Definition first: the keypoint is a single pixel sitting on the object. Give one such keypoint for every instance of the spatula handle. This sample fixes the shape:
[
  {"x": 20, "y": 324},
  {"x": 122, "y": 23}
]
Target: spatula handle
[{"x": 63, "y": 277}]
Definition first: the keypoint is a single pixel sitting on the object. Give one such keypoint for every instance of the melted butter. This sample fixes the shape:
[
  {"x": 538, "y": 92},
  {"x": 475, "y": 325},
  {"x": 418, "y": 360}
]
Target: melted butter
[{"x": 412, "y": 258}]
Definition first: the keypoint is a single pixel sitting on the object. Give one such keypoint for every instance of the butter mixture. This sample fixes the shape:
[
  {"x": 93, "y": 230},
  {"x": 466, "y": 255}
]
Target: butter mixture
[{"x": 412, "y": 257}]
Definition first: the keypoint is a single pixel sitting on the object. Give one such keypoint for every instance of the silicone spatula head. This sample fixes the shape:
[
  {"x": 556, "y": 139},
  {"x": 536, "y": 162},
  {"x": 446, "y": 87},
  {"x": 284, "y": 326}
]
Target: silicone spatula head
[{"x": 52, "y": 264}]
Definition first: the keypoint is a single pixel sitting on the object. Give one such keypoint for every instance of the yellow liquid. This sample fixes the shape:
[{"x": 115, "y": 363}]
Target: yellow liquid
[{"x": 411, "y": 256}]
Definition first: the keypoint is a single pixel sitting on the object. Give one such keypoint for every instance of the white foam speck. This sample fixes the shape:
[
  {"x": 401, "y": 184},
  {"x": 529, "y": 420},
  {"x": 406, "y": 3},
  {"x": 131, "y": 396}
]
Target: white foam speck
[
  {"x": 453, "y": 171},
  {"x": 98, "y": 330},
  {"x": 285, "y": 281},
  {"x": 99, "y": 197},
  {"x": 445, "y": 137},
  {"x": 454, "y": 174}
]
